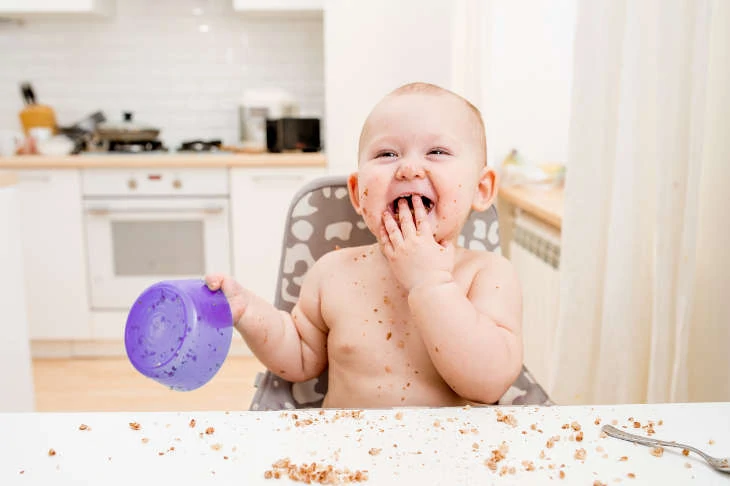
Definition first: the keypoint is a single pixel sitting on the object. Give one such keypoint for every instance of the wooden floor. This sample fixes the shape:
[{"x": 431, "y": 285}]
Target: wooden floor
[{"x": 112, "y": 384}]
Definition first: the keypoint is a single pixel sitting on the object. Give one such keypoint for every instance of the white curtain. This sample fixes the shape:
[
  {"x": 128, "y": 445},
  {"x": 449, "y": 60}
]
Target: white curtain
[{"x": 645, "y": 271}]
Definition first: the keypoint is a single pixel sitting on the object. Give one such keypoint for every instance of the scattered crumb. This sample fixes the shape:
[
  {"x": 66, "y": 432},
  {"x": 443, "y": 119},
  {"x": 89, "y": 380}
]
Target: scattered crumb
[
  {"x": 687, "y": 465},
  {"x": 580, "y": 454},
  {"x": 711, "y": 442},
  {"x": 598, "y": 483},
  {"x": 562, "y": 474},
  {"x": 134, "y": 426},
  {"x": 209, "y": 430},
  {"x": 579, "y": 436},
  {"x": 528, "y": 465},
  {"x": 84, "y": 427},
  {"x": 22, "y": 471},
  {"x": 399, "y": 416},
  {"x": 575, "y": 426},
  {"x": 508, "y": 419},
  {"x": 597, "y": 421},
  {"x": 375, "y": 451},
  {"x": 192, "y": 423},
  {"x": 657, "y": 451},
  {"x": 631, "y": 475},
  {"x": 216, "y": 447},
  {"x": 314, "y": 472},
  {"x": 623, "y": 458},
  {"x": 51, "y": 452},
  {"x": 145, "y": 440},
  {"x": 685, "y": 452},
  {"x": 551, "y": 441}
]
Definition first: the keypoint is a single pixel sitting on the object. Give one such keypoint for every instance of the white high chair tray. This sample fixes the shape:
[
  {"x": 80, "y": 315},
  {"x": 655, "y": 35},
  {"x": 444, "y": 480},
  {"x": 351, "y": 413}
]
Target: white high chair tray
[{"x": 447, "y": 446}]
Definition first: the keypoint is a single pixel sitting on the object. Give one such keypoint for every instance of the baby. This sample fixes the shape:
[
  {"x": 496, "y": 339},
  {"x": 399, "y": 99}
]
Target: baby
[{"x": 412, "y": 320}]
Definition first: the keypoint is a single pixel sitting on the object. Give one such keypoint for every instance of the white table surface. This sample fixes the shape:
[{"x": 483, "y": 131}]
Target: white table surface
[{"x": 424, "y": 446}]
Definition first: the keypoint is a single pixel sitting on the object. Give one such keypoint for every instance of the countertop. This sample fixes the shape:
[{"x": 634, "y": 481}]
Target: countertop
[
  {"x": 422, "y": 446},
  {"x": 176, "y": 160},
  {"x": 7, "y": 178},
  {"x": 543, "y": 203}
]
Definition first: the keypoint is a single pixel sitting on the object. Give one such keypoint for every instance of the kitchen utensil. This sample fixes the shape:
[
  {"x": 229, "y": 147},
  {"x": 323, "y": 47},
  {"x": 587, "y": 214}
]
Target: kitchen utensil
[
  {"x": 178, "y": 333},
  {"x": 56, "y": 145},
  {"x": 126, "y": 131},
  {"x": 721, "y": 464},
  {"x": 35, "y": 115},
  {"x": 256, "y": 107}
]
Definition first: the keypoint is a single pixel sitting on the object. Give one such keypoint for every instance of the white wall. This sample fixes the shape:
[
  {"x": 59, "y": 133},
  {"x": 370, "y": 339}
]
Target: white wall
[
  {"x": 372, "y": 47},
  {"x": 151, "y": 58},
  {"x": 530, "y": 79}
]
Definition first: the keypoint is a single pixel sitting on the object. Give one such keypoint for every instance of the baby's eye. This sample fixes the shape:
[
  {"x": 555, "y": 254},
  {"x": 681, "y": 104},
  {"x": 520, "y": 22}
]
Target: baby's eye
[
  {"x": 438, "y": 151},
  {"x": 385, "y": 154}
]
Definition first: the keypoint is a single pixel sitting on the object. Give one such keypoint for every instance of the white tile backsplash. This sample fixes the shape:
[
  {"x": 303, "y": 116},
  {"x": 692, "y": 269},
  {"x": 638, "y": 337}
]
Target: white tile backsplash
[{"x": 151, "y": 58}]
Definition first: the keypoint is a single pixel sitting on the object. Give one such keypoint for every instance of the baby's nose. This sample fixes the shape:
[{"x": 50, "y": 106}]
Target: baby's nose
[{"x": 409, "y": 169}]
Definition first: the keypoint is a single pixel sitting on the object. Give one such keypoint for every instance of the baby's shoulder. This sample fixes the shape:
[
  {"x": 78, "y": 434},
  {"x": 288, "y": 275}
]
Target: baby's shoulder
[{"x": 486, "y": 263}]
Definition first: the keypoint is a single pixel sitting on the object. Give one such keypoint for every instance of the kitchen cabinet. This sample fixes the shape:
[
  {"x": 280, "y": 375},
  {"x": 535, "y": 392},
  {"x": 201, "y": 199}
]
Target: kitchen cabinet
[
  {"x": 16, "y": 379},
  {"x": 28, "y": 8},
  {"x": 260, "y": 200},
  {"x": 279, "y": 6},
  {"x": 53, "y": 254}
]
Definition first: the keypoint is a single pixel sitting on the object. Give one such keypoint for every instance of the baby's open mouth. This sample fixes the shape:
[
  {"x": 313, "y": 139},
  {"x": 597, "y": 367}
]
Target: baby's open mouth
[{"x": 427, "y": 203}]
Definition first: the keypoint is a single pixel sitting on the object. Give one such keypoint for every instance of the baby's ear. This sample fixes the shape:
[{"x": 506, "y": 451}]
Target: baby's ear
[
  {"x": 486, "y": 189},
  {"x": 353, "y": 187}
]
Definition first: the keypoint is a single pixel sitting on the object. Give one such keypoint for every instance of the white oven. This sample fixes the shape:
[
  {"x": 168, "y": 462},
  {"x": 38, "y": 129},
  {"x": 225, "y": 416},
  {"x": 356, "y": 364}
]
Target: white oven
[{"x": 147, "y": 225}]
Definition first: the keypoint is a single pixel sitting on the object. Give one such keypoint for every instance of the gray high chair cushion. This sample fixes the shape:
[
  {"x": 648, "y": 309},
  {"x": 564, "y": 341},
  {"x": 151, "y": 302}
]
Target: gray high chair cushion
[{"x": 321, "y": 219}]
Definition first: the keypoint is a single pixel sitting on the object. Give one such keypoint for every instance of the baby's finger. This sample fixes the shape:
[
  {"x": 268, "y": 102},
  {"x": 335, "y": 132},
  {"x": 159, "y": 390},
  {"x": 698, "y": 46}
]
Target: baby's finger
[
  {"x": 407, "y": 226},
  {"x": 391, "y": 227},
  {"x": 419, "y": 211},
  {"x": 214, "y": 281},
  {"x": 385, "y": 244}
]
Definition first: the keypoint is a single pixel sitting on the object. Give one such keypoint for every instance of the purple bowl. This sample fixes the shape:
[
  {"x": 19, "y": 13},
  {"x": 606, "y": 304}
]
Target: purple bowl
[{"x": 178, "y": 333}]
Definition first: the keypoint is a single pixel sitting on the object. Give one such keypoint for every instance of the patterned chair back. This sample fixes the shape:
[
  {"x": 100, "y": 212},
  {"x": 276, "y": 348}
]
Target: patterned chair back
[{"x": 321, "y": 219}]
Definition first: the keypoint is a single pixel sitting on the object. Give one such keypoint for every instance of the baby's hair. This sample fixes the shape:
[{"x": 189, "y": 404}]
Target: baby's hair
[{"x": 428, "y": 88}]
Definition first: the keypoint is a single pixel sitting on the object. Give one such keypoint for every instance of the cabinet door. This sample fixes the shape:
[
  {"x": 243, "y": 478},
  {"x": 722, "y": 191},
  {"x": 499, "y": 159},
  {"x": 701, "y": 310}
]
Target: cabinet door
[
  {"x": 259, "y": 203},
  {"x": 53, "y": 254},
  {"x": 16, "y": 379},
  {"x": 97, "y": 7}
]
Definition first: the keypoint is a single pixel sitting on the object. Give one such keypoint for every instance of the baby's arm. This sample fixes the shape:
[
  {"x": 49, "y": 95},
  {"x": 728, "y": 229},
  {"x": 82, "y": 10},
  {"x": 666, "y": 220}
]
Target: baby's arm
[
  {"x": 474, "y": 340},
  {"x": 291, "y": 345}
]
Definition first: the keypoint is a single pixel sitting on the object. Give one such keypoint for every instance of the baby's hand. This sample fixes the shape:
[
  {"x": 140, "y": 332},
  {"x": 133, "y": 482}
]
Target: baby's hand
[
  {"x": 415, "y": 257},
  {"x": 237, "y": 296}
]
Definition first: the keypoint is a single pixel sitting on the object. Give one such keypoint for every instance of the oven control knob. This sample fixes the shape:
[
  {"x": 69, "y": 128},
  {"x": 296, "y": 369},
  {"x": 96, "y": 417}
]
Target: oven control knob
[
  {"x": 132, "y": 184},
  {"x": 177, "y": 184}
]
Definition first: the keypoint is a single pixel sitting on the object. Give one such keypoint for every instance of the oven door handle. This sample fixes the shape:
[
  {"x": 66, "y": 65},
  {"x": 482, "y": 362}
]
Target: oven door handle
[{"x": 104, "y": 211}]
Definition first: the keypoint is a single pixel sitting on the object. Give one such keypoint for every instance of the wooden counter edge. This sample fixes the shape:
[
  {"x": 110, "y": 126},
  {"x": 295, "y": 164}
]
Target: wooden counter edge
[
  {"x": 114, "y": 161},
  {"x": 529, "y": 200}
]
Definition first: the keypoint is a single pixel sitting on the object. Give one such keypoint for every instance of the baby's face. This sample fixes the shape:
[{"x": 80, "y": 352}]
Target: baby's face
[{"x": 420, "y": 144}]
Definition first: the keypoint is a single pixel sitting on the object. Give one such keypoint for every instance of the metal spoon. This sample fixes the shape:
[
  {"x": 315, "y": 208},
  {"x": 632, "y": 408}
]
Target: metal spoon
[{"x": 721, "y": 464}]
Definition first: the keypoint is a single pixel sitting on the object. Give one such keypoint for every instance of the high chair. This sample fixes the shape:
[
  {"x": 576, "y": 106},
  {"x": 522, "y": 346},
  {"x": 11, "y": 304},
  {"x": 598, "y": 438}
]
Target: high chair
[{"x": 320, "y": 219}]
